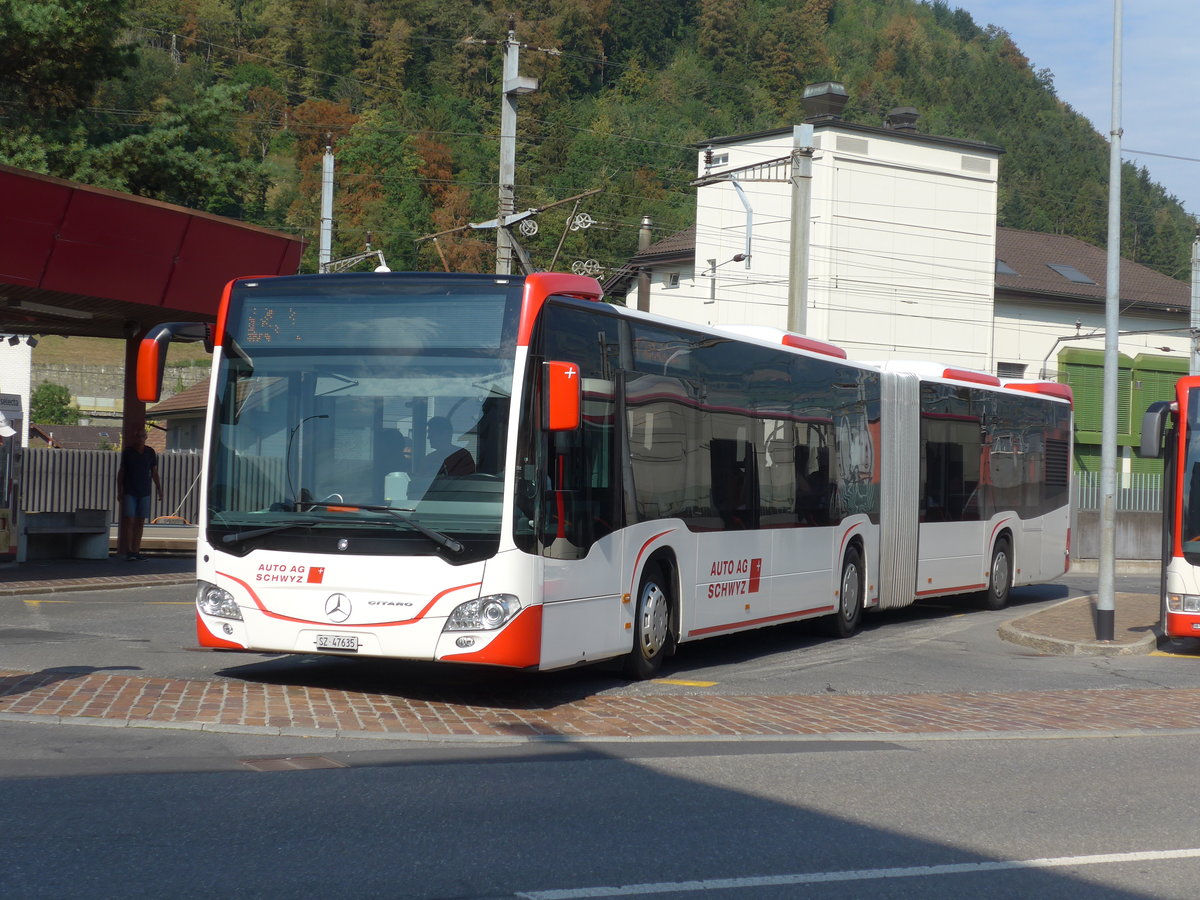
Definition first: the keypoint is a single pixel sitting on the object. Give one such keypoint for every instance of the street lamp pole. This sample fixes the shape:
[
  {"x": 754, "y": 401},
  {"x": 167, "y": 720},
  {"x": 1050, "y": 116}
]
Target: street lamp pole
[{"x": 1105, "y": 596}]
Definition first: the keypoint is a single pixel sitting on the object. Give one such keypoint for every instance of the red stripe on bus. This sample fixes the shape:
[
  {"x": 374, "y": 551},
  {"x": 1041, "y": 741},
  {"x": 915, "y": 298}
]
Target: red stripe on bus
[
  {"x": 638, "y": 560},
  {"x": 1182, "y": 625},
  {"x": 539, "y": 287},
  {"x": 519, "y": 645},
  {"x": 713, "y": 629},
  {"x": 223, "y": 314},
  {"x": 846, "y": 537},
  {"x": 263, "y": 609},
  {"x": 207, "y": 639}
]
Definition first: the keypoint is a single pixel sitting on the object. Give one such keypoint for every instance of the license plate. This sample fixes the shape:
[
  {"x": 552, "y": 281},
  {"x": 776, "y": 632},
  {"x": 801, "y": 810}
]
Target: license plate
[{"x": 347, "y": 643}]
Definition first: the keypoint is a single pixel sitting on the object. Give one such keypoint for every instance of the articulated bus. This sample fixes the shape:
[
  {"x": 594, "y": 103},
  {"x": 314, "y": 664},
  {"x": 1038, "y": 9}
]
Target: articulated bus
[
  {"x": 1171, "y": 430},
  {"x": 509, "y": 471}
]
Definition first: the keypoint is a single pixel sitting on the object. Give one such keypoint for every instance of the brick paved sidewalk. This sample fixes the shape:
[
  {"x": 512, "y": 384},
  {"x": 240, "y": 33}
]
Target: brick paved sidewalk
[{"x": 112, "y": 699}]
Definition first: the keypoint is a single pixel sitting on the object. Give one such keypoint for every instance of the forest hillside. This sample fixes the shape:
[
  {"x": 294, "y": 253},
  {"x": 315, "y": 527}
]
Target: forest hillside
[{"x": 227, "y": 106}]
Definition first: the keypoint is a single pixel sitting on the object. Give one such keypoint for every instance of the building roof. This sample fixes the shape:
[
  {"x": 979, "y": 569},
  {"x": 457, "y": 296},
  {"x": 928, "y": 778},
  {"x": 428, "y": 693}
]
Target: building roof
[
  {"x": 1081, "y": 274},
  {"x": 844, "y": 125},
  {"x": 679, "y": 247},
  {"x": 190, "y": 402},
  {"x": 79, "y": 437}
]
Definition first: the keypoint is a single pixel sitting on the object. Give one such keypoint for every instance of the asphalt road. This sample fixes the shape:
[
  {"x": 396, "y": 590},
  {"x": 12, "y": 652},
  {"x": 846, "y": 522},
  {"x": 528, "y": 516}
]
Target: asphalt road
[
  {"x": 940, "y": 645},
  {"x": 1083, "y": 817},
  {"x": 96, "y": 812}
]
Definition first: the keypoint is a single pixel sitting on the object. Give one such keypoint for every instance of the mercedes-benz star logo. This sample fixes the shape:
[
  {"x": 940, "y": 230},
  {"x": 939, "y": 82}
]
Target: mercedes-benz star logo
[{"x": 337, "y": 607}]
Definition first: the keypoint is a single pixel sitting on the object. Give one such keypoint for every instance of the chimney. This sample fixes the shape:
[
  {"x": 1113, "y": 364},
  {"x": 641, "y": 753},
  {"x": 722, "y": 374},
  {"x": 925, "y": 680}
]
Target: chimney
[
  {"x": 824, "y": 100},
  {"x": 902, "y": 118}
]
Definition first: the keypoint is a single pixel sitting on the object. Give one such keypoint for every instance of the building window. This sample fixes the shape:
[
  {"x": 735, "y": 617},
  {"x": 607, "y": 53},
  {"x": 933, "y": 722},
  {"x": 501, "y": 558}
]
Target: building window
[
  {"x": 1070, "y": 273},
  {"x": 671, "y": 280},
  {"x": 1010, "y": 370},
  {"x": 1003, "y": 268}
]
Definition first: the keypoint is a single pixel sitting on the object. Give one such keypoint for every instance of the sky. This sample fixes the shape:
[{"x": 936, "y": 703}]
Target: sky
[{"x": 1160, "y": 73}]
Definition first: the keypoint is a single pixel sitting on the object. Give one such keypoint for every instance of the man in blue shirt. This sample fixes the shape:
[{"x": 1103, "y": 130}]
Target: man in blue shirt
[{"x": 137, "y": 473}]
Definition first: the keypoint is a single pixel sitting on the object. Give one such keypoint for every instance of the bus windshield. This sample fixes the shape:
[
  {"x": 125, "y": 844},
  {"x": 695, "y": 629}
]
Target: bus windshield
[{"x": 370, "y": 410}]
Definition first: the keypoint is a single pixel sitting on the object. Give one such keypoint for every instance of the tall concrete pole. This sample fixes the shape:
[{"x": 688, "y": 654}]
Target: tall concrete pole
[
  {"x": 325, "y": 248},
  {"x": 1194, "y": 368},
  {"x": 512, "y": 87},
  {"x": 801, "y": 179},
  {"x": 643, "y": 278},
  {"x": 1105, "y": 597}
]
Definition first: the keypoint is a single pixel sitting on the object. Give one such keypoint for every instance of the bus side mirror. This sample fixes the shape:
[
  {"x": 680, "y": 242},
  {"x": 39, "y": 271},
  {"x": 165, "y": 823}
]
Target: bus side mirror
[
  {"x": 152, "y": 354},
  {"x": 1154, "y": 422},
  {"x": 564, "y": 396}
]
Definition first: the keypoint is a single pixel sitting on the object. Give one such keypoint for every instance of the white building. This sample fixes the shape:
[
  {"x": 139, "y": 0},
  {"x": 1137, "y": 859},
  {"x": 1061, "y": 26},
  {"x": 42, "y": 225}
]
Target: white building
[
  {"x": 16, "y": 366},
  {"x": 901, "y": 256},
  {"x": 905, "y": 260}
]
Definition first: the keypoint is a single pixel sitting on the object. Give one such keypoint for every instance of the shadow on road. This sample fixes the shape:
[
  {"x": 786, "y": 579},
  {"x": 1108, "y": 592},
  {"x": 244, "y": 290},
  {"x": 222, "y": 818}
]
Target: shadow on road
[
  {"x": 509, "y": 689},
  {"x": 15, "y": 685}
]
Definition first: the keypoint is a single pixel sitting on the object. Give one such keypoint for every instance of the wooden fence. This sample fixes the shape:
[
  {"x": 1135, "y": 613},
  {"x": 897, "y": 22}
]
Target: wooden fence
[{"x": 66, "y": 480}]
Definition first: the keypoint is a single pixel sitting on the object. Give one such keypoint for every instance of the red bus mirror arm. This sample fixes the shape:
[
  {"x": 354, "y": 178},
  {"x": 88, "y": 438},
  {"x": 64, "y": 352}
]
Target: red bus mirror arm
[
  {"x": 152, "y": 354},
  {"x": 564, "y": 396}
]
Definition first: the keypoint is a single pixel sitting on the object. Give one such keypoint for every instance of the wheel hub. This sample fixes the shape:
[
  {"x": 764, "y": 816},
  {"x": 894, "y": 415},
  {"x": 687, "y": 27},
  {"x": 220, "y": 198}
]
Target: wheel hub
[{"x": 654, "y": 620}]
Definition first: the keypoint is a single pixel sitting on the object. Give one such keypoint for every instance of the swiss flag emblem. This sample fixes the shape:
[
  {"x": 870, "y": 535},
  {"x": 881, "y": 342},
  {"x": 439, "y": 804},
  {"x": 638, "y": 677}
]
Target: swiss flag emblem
[
  {"x": 316, "y": 574},
  {"x": 755, "y": 576}
]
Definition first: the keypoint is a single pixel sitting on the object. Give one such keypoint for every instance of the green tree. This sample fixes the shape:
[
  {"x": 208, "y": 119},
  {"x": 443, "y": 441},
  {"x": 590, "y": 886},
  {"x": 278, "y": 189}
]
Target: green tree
[
  {"x": 53, "y": 54},
  {"x": 50, "y": 404},
  {"x": 186, "y": 155}
]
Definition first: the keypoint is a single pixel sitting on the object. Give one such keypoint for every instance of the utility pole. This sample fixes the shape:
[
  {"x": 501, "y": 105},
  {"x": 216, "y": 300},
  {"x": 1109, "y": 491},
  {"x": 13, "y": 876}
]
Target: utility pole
[
  {"x": 1105, "y": 593},
  {"x": 1194, "y": 368},
  {"x": 643, "y": 278},
  {"x": 801, "y": 180},
  {"x": 325, "y": 248},
  {"x": 512, "y": 87}
]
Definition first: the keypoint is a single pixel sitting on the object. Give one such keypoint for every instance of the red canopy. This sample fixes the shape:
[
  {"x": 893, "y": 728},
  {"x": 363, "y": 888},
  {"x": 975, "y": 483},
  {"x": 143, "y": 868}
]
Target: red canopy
[{"x": 81, "y": 260}]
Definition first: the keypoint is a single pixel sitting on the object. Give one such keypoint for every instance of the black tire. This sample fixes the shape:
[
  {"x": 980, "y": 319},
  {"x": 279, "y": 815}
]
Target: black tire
[
  {"x": 847, "y": 619},
  {"x": 651, "y": 625},
  {"x": 999, "y": 577}
]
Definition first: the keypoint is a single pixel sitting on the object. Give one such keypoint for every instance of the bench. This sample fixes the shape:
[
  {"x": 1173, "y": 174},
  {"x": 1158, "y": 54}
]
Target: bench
[{"x": 82, "y": 534}]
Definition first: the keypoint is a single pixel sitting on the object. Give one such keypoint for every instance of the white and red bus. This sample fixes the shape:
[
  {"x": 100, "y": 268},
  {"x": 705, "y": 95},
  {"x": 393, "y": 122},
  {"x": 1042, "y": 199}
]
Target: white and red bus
[
  {"x": 1171, "y": 430},
  {"x": 611, "y": 483}
]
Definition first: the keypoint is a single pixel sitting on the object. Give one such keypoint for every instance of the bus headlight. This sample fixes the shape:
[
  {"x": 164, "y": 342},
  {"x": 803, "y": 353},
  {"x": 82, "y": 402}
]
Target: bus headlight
[
  {"x": 1188, "y": 603},
  {"x": 485, "y": 614},
  {"x": 214, "y": 601}
]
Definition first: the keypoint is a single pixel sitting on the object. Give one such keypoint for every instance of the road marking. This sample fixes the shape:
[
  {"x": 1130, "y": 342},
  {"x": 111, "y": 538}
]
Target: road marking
[
  {"x": 684, "y": 683},
  {"x": 725, "y": 884}
]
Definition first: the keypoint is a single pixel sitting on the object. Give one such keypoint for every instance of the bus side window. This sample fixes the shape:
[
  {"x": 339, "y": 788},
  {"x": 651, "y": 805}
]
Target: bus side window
[
  {"x": 734, "y": 484},
  {"x": 781, "y": 482}
]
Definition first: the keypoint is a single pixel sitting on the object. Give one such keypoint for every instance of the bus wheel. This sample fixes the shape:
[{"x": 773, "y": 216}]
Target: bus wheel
[
  {"x": 651, "y": 626},
  {"x": 1000, "y": 581},
  {"x": 846, "y": 621}
]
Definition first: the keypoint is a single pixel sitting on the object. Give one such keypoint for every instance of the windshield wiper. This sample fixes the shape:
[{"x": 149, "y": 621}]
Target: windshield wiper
[
  {"x": 442, "y": 540},
  {"x": 268, "y": 529}
]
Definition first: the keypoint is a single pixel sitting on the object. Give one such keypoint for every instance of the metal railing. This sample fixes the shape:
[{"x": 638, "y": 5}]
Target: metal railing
[
  {"x": 66, "y": 480},
  {"x": 1136, "y": 492}
]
